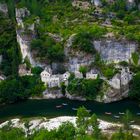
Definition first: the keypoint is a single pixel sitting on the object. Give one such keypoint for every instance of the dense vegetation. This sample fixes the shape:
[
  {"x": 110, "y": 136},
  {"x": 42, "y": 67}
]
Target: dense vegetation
[
  {"x": 60, "y": 18},
  {"x": 87, "y": 88},
  {"x": 67, "y": 131},
  {"x": 85, "y": 36},
  {"x": 9, "y": 48},
  {"x": 47, "y": 48},
  {"x": 135, "y": 87},
  {"x": 15, "y": 89}
]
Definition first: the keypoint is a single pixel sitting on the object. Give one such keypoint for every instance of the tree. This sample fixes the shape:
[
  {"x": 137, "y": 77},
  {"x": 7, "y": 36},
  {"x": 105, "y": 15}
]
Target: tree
[
  {"x": 118, "y": 135},
  {"x": 127, "y": 118},
  {"x": 82, "y": 120},
  {"x": 88, "y": 88},
  {"x": 135, "y": 58},
  {"x": 55, "y": 53},
  {"x": 11, "y": 8},
  {"x": 20, "y": 88},
  {"x": 66, "y": 131},
  {"x": 95, "y": 126},
  {"x": 37, "y": 70},
  {"x": 83, "y": 70},
  {"x": 12, "y": 134},
  {"x": 135, "y": 87}
]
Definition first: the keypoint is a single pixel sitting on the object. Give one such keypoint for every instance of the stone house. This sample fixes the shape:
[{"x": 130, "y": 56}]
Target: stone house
[
  {"x": 121, "y": 79},
  {"x": 92, "y": 74},
  {"x": 54, "y": 80},
  {"x": 78, "y": 74},
  {"x": 66, "y": 76}
]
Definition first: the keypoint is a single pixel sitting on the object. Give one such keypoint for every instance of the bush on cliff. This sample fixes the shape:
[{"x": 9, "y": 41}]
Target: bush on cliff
[
  {"x": 135, "y": 87},
  {"x": 87, "y": 88},
  {"x": 12, "y": 90}
]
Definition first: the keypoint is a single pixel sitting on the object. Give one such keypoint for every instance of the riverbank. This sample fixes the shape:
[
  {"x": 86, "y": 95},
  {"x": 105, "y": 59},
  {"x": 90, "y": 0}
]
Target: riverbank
[
  {"x": 54, "y": 123},
  {"x": 58, "y": 96}
]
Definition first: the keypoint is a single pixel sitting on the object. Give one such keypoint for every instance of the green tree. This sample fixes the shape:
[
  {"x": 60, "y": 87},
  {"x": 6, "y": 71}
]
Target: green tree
[
  {"x": 127, "y": 118},
  {"x": 12, "y": 134},
  {"x": 66, "y": 131},
  {"x": 20, "y": 88},
  {"x": 36, "y": 70},
  {"x": 11, "y": 9},
  {"x": 88, "y": 88},
  {"x": 135, "y": 87},
  {"x": 82, "y": 120},
  {"x": 55, "y": 53},
  {"x": 118, "y": 135},
  {"x": 135, "y": 58},
  {"x": 83, "y": 70},
  {"x": 95, "y": 126}
]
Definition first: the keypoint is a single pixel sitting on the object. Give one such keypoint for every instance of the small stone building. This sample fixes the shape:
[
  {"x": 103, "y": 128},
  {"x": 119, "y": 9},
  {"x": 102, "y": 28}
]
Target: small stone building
[
  {"x": 53, "y": 80},
  {"x": 92, "y": 74},
  {"x": 121, "y": 79}
]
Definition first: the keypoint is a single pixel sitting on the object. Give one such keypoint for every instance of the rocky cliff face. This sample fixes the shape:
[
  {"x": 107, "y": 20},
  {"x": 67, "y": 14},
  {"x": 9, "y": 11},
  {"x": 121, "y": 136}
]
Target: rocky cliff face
[
  {"x": 23, "y": 38},
  {"x": 118, "y": 86},
  {"x": 110, "y": 50},
  {"x": 115, "y": 51}
]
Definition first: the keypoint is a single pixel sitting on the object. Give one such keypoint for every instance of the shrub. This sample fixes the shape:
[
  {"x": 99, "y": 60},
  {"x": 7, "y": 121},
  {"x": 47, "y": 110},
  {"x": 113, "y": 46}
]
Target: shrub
[
  {"x": 87, "y": 88},
  {"x": 135, "y": 87},
  {"x": 135, "y": 58}
]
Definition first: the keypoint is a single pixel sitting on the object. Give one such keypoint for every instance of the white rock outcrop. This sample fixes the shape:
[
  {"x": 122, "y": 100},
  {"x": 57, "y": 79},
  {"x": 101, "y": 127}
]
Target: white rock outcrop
[
  {"x": 96, "y": 2},
  {"x": 115, "y": 51},
  {"x": 25, "y": 48}
]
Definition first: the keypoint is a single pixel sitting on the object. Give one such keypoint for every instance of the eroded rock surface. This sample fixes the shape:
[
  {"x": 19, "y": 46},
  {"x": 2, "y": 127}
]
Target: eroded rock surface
[{"x": 115, "y": 51}]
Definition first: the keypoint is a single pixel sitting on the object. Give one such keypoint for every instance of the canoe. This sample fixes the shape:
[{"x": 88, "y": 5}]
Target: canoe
[
  {"x": 121, "y": 113},
  {"x": 64, "y": 104},
  {"x": 58, "y": 106},
  {"x": 138, "y": 114},
  {"x": 74, "y": 109},
  {"x": 117, "y": 117},
  {"x": 108, "y": 113}
]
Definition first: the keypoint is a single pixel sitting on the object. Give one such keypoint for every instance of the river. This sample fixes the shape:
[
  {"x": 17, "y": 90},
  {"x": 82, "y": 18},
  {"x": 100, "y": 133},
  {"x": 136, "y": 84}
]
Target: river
[{"x": 47, "y": 108}]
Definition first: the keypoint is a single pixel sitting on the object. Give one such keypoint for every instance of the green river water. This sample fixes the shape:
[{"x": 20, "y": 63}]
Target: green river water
[{"x": 47, "y": 108}]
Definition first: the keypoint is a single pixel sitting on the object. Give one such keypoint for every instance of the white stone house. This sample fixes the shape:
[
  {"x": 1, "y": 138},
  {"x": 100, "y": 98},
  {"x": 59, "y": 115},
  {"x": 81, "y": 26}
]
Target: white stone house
[
  {"x": 91, "y": 74},
  {"x": 66, "y": 76},
  {"x": 78, "y": 74},
  {"x": 121, "y": 79},
  {"x": 54, "y": 80}
]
